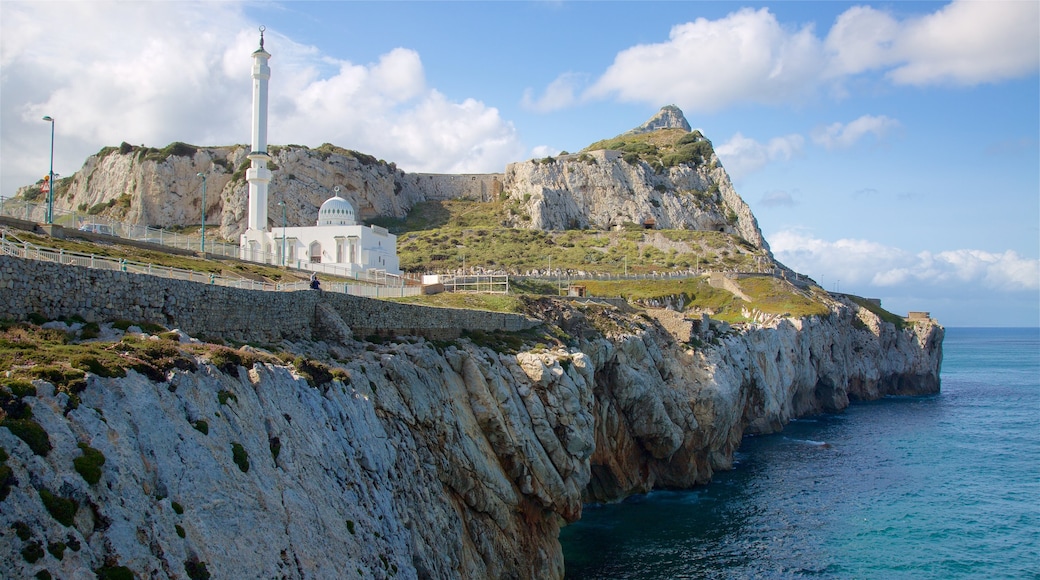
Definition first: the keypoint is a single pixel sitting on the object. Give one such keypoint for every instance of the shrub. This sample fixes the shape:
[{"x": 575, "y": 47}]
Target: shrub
[
  {"x": 276, "y": 447},
  {"x": 21, "y": 529},
  {"x": 89, "y": 464},
  {"x": 196, "y": 570},
  {"x": 62, "y": 509},
  {"x": 177, "y": 508},
  {"x": 31, "y": 432},
  {"x": 32, "y": 552},
  {"x": 57, "y": 549},
  {"x": 114, "y": 572},
  {"x": 201, "y": 426},
  {"x": 224, "y": 396},
  {"x": 240, "y": 457},
  {"x": 180, "y": 530},
  {"x": 7, "y": 480}
]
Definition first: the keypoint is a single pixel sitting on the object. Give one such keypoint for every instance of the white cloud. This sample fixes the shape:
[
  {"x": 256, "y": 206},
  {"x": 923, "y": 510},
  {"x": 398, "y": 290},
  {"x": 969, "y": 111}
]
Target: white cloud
[
  {"x": 843, "y": 136},
  {"x": 156, "y": 72},
  {"x": 778, "y": 199},
  {"x": 742, "y": 155},
  {"x": 707, "y": 65},
  {"x": 968, "y": 42},
  {"x": 862, "y": 262},
  {"x": 860, "y": 40},
  {"x": 750, "y": 57},
  {"x": 560, "y": 93},
  {"x": 542, "y": 151}
]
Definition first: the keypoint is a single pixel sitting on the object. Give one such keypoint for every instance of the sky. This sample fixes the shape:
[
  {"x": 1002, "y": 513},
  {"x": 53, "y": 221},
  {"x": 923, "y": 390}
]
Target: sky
[{"x": 888, "y": 149}]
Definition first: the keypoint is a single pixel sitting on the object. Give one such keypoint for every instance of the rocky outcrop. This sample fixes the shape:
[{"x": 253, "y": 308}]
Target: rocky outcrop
[
  {"x": 422, "y": 459},
  {"x": 669, "y": 117},
  {"x": 599, "y": 189}
]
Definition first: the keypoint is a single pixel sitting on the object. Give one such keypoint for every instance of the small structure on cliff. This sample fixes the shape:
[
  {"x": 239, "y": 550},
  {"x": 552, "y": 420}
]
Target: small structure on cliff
[{"x": 337, "y": 241}]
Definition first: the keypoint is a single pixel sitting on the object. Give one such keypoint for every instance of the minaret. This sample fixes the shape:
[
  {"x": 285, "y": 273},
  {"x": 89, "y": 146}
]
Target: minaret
[{"x": 258, "y": 175}]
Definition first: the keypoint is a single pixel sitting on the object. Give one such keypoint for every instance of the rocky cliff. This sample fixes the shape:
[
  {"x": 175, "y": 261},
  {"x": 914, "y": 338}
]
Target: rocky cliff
[
  {"x": 599, "y": 189},
  {"x": 417, "y": 459}
]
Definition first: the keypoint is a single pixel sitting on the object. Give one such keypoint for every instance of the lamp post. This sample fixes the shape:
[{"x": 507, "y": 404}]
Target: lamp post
[
  {"x": 50, "y": 183},
  {"x": 203, "y": 176},
  {"x": 282, "y": 203}
]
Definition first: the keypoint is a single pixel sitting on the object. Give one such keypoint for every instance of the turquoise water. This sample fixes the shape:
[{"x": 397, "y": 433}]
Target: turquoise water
[{"x": 945, "y": 486}]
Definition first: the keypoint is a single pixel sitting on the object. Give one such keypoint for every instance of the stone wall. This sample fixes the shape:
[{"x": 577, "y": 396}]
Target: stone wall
[
  {"x": 439, "y": 187},
  {"x": 54, "y": 291}
]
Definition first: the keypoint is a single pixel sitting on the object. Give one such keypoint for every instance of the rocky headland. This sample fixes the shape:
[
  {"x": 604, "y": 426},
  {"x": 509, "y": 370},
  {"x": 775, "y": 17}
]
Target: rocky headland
[{"x": 149, "y": 452}]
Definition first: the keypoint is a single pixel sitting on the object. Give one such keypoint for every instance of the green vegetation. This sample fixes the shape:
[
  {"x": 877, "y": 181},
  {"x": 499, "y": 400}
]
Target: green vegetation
[
  {"x": 471, "y": 301},
  {"x": 180, "y": 530},
  {"x": 177, "y": 508},
  {"x": 196, "y": 570},
  {"x": 880, "y": 312},
  {"x": 21, "y": 529},
  {"x": 114, "y": 572},
  {"x": 31, "y": 432},
  {"x": 7, "y": 479},
  {"x": 62, "y": 509},
  {"x": 32, "y": 552},
  {"x": 768, "y": 295},
  {"x": 201, "y": 426},
  {"x": 89, "y": 464},
  {"x": 445, "y": 236},
  {"x": 57, "y": 549},
  {"x": 233, "y": 268},
  {"x": 224, "y": 396},
  {"x": 659, "y": 149},
  {"x": 240, "y": 457}
]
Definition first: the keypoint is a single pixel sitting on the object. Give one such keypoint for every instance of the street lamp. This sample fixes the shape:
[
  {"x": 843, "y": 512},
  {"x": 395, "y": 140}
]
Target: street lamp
[
  {"x": 50, "y": 189},
  {"x": 203, "y": 176},
  {"x": 282, "y": 203}
]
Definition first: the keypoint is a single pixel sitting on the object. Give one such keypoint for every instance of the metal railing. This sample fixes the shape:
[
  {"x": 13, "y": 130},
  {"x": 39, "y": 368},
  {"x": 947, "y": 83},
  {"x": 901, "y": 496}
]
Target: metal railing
[{"x": 12, "y": 246}]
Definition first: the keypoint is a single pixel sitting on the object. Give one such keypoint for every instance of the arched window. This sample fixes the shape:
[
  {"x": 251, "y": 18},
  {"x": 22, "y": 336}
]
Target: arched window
[{"x": 315, "y": 252}]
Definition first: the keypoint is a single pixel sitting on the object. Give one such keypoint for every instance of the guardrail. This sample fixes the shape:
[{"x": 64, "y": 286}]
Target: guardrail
[{"x": 12, "y": 246}]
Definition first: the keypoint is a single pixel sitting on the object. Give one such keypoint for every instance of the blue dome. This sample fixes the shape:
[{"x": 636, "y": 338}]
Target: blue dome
[{"x": 336, "y": 211}]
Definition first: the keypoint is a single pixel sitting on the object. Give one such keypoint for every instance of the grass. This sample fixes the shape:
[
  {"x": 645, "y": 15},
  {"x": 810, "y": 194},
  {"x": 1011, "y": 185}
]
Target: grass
[
  {"x": 898, "y": 321},
  {"x": 768, "y": 295},
  {"x": 89, "y": 464},
  {"x": 29, "y": 352},
  {"x": 451, "y": 247},
  {"x": 233, "y": 268},
  {"x": 470, "y": 301},
  {"x": 660, "y": 149}
]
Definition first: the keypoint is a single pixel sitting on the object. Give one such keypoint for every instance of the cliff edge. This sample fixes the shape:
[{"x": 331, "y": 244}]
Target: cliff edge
[{"x": 409, "y": 458}]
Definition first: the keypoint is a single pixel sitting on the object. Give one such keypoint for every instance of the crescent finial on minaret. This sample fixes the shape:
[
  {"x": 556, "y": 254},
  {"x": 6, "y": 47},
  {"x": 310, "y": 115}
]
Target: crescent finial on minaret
[{"x": 262, "y": 29}]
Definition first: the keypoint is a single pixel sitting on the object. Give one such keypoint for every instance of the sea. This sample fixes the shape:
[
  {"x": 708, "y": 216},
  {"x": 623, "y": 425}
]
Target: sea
[{"x": 942, "y": 486}]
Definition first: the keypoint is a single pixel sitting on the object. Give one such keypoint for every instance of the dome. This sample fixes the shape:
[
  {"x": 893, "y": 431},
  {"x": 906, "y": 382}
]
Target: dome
[{"x": 336, "y": 211}]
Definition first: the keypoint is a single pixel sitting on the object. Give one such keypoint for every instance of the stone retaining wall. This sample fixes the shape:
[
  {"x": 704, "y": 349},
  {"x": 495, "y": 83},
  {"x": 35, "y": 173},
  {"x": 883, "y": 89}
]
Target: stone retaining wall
[{"x": 54, "y": 291}]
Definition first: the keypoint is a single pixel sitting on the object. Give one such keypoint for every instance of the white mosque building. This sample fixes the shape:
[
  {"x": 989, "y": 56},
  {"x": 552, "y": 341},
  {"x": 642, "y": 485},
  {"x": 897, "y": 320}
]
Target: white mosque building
[{"x": 337, "y": 244}]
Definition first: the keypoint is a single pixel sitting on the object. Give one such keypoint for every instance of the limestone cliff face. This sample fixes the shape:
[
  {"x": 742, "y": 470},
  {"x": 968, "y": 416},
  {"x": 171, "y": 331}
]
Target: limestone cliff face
[
  {"x": 431, "y": 460},
  {"x": 601, "y": 190}
]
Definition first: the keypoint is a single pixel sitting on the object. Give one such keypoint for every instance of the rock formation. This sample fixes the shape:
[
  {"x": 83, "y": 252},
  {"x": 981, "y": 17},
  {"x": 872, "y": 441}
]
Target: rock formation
[
  {"x": 598, "y": 190},
  {"x": 422, "y": 460},
  {"x": 669, "y": 117}
]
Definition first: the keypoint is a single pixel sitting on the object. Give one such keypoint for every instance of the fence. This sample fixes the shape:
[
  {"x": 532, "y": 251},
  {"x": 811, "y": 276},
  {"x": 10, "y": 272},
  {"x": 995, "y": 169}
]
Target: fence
[
  {"x": 486, "y": 283},
  {"x": 12, "y": 246}
]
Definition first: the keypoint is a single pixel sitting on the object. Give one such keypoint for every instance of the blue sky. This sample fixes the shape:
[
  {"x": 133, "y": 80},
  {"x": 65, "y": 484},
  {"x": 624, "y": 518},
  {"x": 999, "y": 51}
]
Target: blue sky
[{"x": 888, "y": 149}]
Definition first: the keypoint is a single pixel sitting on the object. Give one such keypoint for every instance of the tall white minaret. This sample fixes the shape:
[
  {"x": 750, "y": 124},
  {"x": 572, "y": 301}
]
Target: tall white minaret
[{"x": 258, "y": 175}]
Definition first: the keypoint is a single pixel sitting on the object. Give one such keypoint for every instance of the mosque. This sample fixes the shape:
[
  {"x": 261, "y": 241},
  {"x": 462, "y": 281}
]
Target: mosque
[{"x": 337, "y": 244}]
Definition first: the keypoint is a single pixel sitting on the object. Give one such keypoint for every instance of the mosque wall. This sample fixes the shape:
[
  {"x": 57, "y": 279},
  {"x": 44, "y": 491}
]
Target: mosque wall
[{"x": 207, "y": 311}]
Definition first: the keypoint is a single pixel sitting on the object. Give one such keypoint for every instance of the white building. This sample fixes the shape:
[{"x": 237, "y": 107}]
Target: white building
[{"x": 337, "y": 244}]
